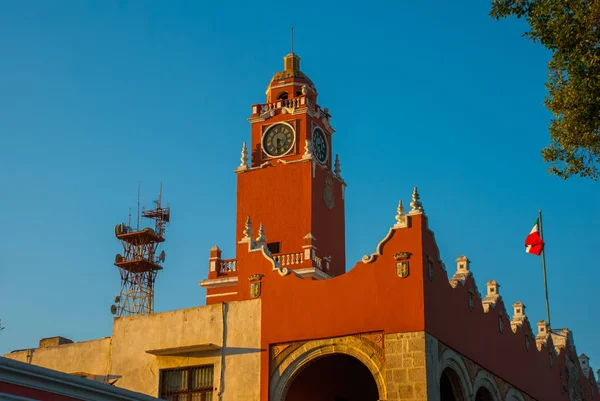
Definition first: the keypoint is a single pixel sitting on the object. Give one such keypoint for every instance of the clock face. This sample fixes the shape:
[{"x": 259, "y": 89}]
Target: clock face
[
  {"x": 320, "y": 145},
  {"x": 278, "y": 140}
]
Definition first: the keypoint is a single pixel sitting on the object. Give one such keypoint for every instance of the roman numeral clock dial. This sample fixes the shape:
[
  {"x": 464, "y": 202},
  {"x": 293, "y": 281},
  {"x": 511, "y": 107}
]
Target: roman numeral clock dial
[{"x": 278, "y": 140}]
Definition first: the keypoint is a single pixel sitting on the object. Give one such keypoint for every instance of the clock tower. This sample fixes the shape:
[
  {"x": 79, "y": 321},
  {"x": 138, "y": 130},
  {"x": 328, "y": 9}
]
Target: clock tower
[{"x": 289, "y": 181}]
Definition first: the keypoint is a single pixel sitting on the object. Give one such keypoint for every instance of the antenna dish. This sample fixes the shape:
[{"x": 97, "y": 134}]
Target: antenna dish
[
  {"x": 117, "y": 299},
  {"x": 120, "y": 229},
  {"x": 118, "y": 258},
  {"x": 113, "y": 309}
]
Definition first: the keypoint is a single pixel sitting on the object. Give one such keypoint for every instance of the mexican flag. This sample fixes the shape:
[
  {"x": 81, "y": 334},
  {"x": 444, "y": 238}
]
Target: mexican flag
[{"x": 533, "y": 242}]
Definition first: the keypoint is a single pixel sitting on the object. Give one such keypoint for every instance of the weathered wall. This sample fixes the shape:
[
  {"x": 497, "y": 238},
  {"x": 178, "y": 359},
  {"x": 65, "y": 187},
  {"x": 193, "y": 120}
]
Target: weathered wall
[
  {"x": 86, "y": 356},
  {"x": 140, "y": 371}
]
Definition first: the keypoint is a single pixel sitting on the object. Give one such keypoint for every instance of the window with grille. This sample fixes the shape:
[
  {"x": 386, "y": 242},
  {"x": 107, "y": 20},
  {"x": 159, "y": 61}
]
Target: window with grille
[{"x": 193, "y": 383}]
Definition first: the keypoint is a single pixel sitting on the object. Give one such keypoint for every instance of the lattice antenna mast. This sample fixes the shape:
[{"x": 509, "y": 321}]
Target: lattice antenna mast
[{"x": 139, "y": 264}]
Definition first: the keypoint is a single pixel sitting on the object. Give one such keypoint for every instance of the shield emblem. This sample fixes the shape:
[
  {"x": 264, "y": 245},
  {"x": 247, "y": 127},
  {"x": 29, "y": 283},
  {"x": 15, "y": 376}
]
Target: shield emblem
[
  {"x": 255, "y": 289},
  {"x": 402, "y": 269},
  {"x": 328, "y": 193}
]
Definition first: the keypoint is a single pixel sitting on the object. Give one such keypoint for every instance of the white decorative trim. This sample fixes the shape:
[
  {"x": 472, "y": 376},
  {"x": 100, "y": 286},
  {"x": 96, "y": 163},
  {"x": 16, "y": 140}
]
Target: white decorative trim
[
  {"x": 368, "y": 259},
  {"x": 244, "y": 159},
  {"x": 218, "y": 282},
  {"x": 221, "y": 295},
  {"x": 312, "y": 272},
  {"x": 59, "y": 383}
]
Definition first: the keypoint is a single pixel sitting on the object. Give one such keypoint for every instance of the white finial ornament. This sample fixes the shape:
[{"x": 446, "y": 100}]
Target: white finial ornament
[
  {"x": 261, "y": 239},
  {"x": 417, "y": 206},
  {"x": 244, "y": 159},
  {"x": 400, "y": 210},
  {"x": 308, "y": 150},
  {"x": 248, "y": 228},
  {"x": 401, "y": 221},
  {"x": 337, "y": 167}
]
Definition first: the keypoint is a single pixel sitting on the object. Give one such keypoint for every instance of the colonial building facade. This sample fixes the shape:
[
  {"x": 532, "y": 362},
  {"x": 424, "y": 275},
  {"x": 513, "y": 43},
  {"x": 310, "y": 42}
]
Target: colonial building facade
[{"x": 285, "y": 321}]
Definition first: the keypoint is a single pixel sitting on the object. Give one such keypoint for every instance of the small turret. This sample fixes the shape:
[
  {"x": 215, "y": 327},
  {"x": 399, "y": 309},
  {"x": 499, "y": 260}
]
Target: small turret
[
  {"x": 462, "y": 271},
  {"x": 584, "y": 361},
  {"x": 542, "y": 335},
  {"x": 492, "y": 296},
  {"x": 519, "y": 316}
]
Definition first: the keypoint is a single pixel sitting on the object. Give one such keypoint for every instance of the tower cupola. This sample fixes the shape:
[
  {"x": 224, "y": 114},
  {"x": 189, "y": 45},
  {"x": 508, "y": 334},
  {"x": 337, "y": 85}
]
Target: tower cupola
[{"x": 291, "y": 82}]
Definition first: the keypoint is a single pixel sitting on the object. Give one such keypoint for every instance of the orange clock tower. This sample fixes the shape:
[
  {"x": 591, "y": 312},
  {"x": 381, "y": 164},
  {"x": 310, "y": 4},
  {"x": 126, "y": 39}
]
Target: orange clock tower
[{"x": 291, "y": 184}]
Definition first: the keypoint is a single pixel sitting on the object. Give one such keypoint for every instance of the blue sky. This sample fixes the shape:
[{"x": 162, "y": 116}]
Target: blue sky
[{"x": 96, "y": 96}]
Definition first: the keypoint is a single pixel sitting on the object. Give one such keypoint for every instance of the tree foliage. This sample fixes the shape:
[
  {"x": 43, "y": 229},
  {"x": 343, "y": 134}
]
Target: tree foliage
[{"x": 570, "y": 29}]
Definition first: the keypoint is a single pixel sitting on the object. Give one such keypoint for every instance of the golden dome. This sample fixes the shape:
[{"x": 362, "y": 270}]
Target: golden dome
[{"x": 291, "y": 64}]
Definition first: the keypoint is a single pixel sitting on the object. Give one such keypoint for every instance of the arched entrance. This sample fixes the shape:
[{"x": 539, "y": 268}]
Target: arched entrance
[
  {"x": 335, "y": 377},
  {"x": 450, "y": 389},
  {"x": 288, "y": 361},
  {"x": 483, "y": 394}
]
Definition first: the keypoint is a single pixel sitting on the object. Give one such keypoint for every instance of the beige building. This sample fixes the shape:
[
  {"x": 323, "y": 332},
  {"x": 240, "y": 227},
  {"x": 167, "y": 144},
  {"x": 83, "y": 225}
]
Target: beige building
[{"x": 154, "y": 353}]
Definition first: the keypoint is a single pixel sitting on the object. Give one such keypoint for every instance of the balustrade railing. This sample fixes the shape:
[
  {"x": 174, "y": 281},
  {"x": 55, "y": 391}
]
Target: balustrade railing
[
  {"x": 288, "y": 103},
  {"x": 318, "y": 262},
  {"x": 229, "y": 265},
  {"x": 289, "y": 259}
]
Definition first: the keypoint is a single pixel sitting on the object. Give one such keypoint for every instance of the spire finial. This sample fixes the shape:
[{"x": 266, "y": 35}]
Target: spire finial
[
  {"x": 261, "y": 235},
  {"x": 248, "y": 228},
  {"x": 401, "y": 221},
  {"x": 292, "y": 39},
  {"x": 417, "y": 206},
  {"x": 400, "y": 210},
  {"x": 337, "y": 167},
  {"x": 244, "y": 159}
]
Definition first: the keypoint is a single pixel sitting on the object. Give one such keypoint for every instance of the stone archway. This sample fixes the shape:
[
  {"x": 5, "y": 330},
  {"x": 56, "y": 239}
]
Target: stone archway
[
  {"x": 452, "y": 364},
  {"x": 289, "y": 360},
  {"x": 514, "y": 395},
  {"x": 485, "y": 388},
  {"x": 450, "y": 388}
]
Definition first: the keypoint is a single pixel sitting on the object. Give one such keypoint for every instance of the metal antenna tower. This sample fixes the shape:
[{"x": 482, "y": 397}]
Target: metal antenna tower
[{"x": 139, "y": 264}]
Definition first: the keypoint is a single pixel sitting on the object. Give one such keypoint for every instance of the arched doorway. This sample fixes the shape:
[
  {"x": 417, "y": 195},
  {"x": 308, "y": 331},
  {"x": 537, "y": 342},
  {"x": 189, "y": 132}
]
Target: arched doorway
[
  {"x": 335, "y": 377},
  {"x": 450, "y": 389},
  {"x": 483, "y": 394}
]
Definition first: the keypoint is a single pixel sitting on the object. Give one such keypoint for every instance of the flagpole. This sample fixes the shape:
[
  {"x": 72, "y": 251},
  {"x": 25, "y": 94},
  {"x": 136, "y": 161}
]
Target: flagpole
[{"x": 544, "y": 269}]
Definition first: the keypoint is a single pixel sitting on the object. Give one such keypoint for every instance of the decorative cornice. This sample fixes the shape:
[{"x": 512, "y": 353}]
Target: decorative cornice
[
  {"x": 218, "y": 282},
  {"x": 370, "y": 258},
  {"x": 312, "y": 272}
]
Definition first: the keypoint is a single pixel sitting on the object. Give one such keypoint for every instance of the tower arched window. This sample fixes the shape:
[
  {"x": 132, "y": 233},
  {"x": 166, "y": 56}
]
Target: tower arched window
[{"x": 282, "y": 96}]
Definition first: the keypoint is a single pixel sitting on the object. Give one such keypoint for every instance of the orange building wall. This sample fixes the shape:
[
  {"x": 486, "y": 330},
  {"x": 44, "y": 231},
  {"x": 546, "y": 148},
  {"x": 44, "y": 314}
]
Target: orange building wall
[
  {"x": 280, "y": 198},
  {"x": 328, "y": 225},
  {"x": 370, "y": 297}
]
